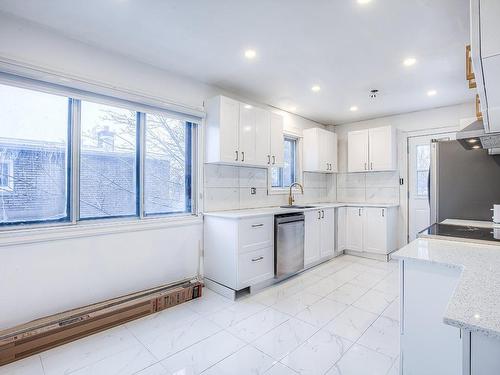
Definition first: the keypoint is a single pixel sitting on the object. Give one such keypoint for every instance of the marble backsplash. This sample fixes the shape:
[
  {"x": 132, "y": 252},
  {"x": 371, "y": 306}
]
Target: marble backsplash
[
  {"x": 230, "y": 188},
  {"x": 370, "y": 187}
]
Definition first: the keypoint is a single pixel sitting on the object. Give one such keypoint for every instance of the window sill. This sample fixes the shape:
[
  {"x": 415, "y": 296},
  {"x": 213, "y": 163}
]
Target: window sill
[
  {"x": 19, "y": 236},
  {"x": 283, "y": 191}
]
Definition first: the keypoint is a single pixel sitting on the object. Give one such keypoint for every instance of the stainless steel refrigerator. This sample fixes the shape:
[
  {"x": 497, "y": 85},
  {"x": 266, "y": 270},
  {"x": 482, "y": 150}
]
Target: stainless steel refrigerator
[{"x": 464, "y": 184}]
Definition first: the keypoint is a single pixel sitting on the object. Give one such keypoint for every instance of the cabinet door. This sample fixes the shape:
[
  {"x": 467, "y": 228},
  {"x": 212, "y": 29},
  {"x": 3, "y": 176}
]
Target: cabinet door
[
  {"x": 327, "y": 245},
  {"x": 357, "y": 151},
  {"x": 277, "y": 141},
  {"x": 325, "y": 150},
  {"x": 381, "y": 149},
  {"x": 312, "y": 230},
  {"x": 247, "y": 133},
  {"x": 228, "y": 129},
  {"x": 333, "y": 153},
  {"x": 311, "y": 158},
  {"x": 354, "y": 228},
  {"x": 262, "y": 135},
  {"x": 375, "y": 230},
  {"x": 490, "y": 28}
]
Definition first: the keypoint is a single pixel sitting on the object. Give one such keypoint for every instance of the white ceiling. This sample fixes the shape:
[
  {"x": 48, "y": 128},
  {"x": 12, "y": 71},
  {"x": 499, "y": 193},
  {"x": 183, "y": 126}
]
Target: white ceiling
[{"x": 345, "y": 47}]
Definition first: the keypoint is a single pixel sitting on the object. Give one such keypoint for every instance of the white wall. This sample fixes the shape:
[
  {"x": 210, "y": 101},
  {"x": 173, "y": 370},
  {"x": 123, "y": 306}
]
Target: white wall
[{"x": 50, "y": 276}]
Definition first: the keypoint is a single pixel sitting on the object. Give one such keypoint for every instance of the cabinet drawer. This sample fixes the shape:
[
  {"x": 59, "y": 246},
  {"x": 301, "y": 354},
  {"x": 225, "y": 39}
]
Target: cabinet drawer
[
  {"x": 256, "y": 233},
  {"x": 255, "y": 266}
]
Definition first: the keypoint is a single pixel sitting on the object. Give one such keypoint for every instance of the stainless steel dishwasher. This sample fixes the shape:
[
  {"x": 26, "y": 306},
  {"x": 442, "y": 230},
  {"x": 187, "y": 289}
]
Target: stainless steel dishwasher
[{"x": 288, "y": 244}]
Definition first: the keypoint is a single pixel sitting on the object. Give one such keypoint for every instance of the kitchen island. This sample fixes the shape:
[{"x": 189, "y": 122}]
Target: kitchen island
[{"x": 450, "y": 307}]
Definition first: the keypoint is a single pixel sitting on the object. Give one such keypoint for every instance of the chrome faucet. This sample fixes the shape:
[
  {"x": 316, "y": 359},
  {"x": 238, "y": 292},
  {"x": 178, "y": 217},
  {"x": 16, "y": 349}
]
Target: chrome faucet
[{"x": 290, "y": 195}]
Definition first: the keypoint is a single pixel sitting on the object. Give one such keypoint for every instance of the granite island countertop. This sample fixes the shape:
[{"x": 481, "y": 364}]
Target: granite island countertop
[
  {"x": 265, "y": 211},
  {"x": 475, "y": 303}
]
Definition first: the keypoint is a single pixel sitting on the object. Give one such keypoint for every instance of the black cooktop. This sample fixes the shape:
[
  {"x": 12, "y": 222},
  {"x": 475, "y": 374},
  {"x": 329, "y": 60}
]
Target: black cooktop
[{"x": 460, "y": 231}]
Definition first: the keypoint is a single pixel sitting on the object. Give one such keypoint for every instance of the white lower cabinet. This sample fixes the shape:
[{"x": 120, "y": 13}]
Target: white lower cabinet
[
  {"x": 319, "y": 235},
  {"x": 238, "y": 253},
  {"x": 428, "y": 345},
  {"x": 371, "y": 229},
  {"x": 484, "y": 354}
]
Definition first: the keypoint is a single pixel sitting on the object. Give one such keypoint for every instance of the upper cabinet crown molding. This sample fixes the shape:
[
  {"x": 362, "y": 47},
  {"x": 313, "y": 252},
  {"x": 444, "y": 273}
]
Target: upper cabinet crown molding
[
  {"x": 372, "y": 150},
  {"x": 240, "y": 134},
  {"x": 319, "y": 151},
  {"x": 485, "y": 54}
]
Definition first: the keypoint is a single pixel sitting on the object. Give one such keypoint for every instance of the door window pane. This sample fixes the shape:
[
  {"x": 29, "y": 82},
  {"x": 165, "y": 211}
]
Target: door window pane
[
  {"x": 33, "y": 156},
  {"x": 168, "y": 167},
  {"x": 284, "y": 177},
  {"x": 423, "y": 165},
  {"x": 108, "y": 161}
]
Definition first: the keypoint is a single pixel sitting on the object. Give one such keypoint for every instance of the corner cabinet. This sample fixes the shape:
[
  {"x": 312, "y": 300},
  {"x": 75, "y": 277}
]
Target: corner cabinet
[
  {"x": 370, "y": 230},
  {"x": 319, "y": 235},
  {"x": 241, "y": 134},
  {"x": 319, "y": 151},
  {"x": 372, "y": 150}
]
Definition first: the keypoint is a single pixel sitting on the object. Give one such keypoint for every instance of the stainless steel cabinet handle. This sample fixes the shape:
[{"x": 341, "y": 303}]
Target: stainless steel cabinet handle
[
  {"x": 236, "y": 156},
  {"x": 257, "y": 225},
  {"x": 268, "y": 159},
  {"x": 359, "y": 211},
  {"x": 242, "y": 155},
  {"x": 257, "y": 259},
  {"x": 383, "y": 213},
  {"x": 274, "y": 159},
  {"x": 371, "y": 165},
  {"x": 322, "y": 214},
  {"x": 319, "y": 215}
]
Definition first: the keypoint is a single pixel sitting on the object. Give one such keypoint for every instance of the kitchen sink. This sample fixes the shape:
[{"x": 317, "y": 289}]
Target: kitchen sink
[{"x": 295, "y": 206}]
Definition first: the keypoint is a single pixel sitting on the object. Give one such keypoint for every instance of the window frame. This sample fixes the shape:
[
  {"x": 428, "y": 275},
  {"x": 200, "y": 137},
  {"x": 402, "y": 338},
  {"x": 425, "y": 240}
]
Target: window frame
[
  {"x": 298, "y": 167},
  {"x": 10, "y": 179},
  {"x": 75, "y": 96}
]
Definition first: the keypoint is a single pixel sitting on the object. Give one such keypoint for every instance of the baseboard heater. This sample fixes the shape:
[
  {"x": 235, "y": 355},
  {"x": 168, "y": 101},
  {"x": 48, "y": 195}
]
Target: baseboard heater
[{"x": 58, "y": 329}]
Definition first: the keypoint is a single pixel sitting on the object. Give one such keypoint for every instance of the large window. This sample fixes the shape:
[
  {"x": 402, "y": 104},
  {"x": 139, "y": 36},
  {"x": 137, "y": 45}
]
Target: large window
[
  {"x": 127, "y": 163},
  {"x": 168, "y": 167},
  {"x": 33, "y": 156},
  {"x": 284, "y": 177},
  {"x": 108, "y": 161}
]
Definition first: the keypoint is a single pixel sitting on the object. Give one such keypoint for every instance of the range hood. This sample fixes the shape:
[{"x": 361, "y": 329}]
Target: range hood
[{"x": 474, "y": 137}]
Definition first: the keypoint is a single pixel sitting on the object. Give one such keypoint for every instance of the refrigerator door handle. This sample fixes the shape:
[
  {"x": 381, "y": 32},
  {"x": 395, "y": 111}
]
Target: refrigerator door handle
[{"x": 433, "y": 183}]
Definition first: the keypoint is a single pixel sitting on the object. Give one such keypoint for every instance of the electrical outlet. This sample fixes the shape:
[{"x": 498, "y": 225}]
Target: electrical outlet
[{"x": 253, "y": 191}]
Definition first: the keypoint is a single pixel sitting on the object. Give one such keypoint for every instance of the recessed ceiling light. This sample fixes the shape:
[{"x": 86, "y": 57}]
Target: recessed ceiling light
[
  {"x": 472, "y": 140},
  {"x": 353, "y": 108},
  {"x": 250, "y": 54},
  {"x": 409, "y": 61},
  {"x": 476, "y": 146},
  {"x": 431, "y": 92},
  {"x": 363, "y": 2},
  {"x": 315, "y": 88},
  {"x": 248, "y": 106}
]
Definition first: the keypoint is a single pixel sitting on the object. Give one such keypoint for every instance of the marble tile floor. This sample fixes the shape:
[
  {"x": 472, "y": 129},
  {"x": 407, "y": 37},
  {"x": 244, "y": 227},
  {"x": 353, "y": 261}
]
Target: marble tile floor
[{"x": 339, "y": 318}]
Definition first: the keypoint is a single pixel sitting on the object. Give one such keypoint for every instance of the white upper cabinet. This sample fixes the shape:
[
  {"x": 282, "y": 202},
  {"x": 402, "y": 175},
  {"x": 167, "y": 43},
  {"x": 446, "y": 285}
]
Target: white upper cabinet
[
  {"x": 241, "y": 134},
  {"x": 357, "y": 151},
  {"x": 490, "y": 28},
  {"x": 277, "y": 147},
  {"x": 320, "y": 151},
  {"x": 372, "y": 150}
]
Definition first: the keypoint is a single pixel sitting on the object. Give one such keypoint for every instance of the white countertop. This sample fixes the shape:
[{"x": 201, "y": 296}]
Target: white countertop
[
  {"x": 475, "y": 303},
  {"x": 254, "y": 212}
]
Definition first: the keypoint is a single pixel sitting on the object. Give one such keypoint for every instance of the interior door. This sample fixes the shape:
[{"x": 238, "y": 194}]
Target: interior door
[
  {"x": 277, "y": 140},
  {"x": 380, "y": 148},
  {"x": 262, "y": 136},
  {"x": 247, "y": 134},
  {"x": 375, "y": 230},
  {"x": 312, "y": 231},
  {"x": 419, "y": 161},
  {"x": 354, "y": 228},
  {"x": 357, "y": 150},
  {"x": 327, "y": 246}
]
